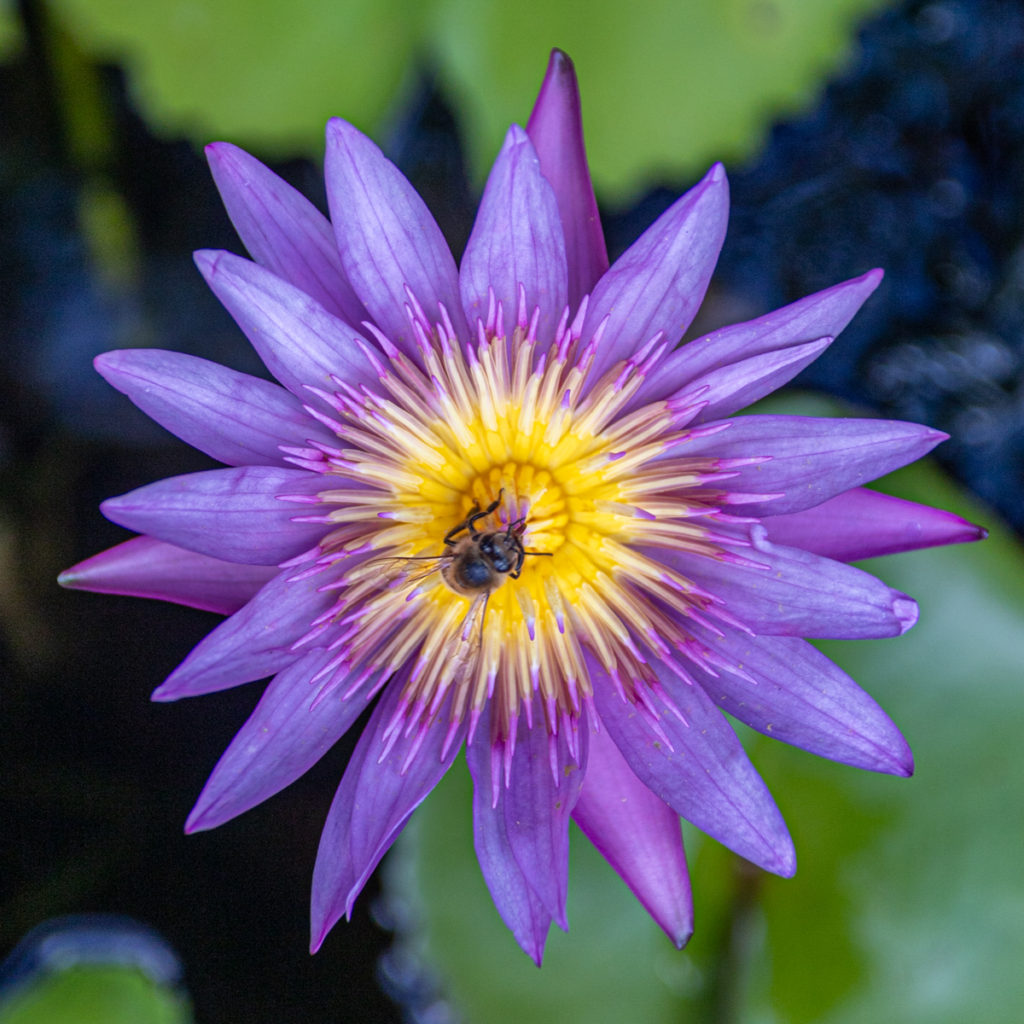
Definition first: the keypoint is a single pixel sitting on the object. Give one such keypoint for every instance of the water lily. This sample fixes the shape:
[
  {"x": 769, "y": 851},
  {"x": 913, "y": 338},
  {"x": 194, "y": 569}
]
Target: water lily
[{"x": 497, "y": 504}]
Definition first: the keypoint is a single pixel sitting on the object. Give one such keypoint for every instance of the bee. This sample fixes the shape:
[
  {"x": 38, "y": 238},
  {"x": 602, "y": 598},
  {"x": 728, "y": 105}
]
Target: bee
[
  {"x": 473, "y": 564},
  {"x": 476, "y": 561}
]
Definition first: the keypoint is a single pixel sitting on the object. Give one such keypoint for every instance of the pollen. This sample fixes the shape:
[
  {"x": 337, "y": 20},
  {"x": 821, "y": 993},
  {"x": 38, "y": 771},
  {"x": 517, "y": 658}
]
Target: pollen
[{"x": 507, "y": 445}]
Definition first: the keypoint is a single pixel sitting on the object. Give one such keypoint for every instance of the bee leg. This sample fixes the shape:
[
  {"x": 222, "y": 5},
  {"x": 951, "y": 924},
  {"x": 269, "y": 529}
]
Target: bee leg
[
  {"x": 520, "y": 558},
  {"x": 449, "y": 537},
  {"x": 475, "y": 515}
]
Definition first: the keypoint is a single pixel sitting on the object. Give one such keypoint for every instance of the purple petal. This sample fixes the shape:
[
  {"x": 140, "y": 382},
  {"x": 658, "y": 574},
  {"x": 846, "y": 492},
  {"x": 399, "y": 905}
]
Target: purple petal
[
  {"x": 733, "y": 386},
  {"x": 283, "y": 230},
  {"x": 517, "y": 903},
  {"x": 299, "y": 341},
  {"x": 789, "y": 690},
  {"x": 516, "y": 241},
  {"x": 387, "y": 238},
  {"x": 818, "y": 316},
  {"x": 811, "y": 459},
  {"x": 702, "y": 773},
  {"x": 865, "y": 524},
  {"x": 234, "y": 418},
  {"x": 556, "y": 130},
  {"x": 233, "y": 514},
  {"x": 797, "y": 593},
  {"x": 255, "y": 642},
  {"x": 378, "y": 793},
  {"x": 145, "y": 567},
  {"x": 286, "y": 735},
  {"x": 658, "y": 283},
  {"x": 638, "y": 835},
  {"x": 541, "y": 793}
]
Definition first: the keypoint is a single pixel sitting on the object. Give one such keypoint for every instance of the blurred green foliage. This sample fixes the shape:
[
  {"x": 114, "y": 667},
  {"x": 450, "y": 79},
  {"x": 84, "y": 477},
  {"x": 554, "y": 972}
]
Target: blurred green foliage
[
  {"x": 99, "y": 994},
  {"x": 907, "y": 904},
  {"x": 668, "y": 87},
  {"x": 10, "y": 30}
]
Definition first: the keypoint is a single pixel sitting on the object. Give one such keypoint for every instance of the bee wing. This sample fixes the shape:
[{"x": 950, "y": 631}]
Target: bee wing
[
  {"x": 467, "y": 642},
  {"x": 403, "y": 571}
]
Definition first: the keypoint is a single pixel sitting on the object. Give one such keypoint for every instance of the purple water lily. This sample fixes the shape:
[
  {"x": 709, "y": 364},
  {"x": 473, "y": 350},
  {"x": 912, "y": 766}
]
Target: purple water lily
[{"x": 496, "y": 503}]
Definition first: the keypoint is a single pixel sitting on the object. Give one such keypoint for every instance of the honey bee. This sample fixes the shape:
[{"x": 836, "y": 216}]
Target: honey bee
[
  {"x": 474, "y": 563},
  {"x": 478, "y": 561}
]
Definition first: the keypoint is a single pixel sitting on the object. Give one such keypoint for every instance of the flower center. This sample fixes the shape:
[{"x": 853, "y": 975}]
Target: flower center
[{"x": 493, "y": 526}]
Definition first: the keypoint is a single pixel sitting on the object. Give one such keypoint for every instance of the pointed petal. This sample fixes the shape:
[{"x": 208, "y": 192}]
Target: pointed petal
[
  {"x": 865, "y": 524},
  {"x": 378, "y": 793},
  {"x": 638, "y": 835},
  {"x": 255, "y": 642},
  {"x": 145, "y": 567},
  {"x": 517, "y": 903},
  {"x": 556, "y": 130},
  {"x": 233, "y": 514},
  {"x": 811, "y": 459},
  {"x": 789, "y": 690},
  {"x": 386, "y": 236},
  {"x": 232, "y": 417},
  {"x": 794, "y": 593},
  {"x": 658, "y": 283},
  {"x": 516, "y": 240},
  {"x": 283, "y": 230},
  {"x": 537, "y": 804},
  {"x": 299, "y": 341},
  {"x": 704, "y": 775},
  {"x": 733, "y": 386},
  {"x": 287, "y": 733},
  {"x": 822, "y": 315}
]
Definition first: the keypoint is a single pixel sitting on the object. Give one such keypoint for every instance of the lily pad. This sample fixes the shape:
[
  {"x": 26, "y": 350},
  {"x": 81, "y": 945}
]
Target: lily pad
[
  {"x": 94, "y": 995},
  {"x": 667, "y": 87}
]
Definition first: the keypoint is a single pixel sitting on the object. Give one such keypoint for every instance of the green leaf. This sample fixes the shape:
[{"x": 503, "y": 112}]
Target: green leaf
[
  {"x": 667, "y": 87},
  {"x": 257, "y": 72},
  {"x": 631, "y": 971},
  {"x": 94, "y": 995},
  {"x": 10, "y": 30}
]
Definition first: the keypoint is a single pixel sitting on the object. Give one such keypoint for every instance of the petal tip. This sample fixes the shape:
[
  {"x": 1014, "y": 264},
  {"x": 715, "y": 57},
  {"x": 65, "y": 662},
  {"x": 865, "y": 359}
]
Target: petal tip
[
  {"x": 516, "y": 136},
  {"x": 784, "y": 863},
  {"x": 110, "y": 508},
  {"x": 340, "y": 132},
  {"x": 906, "y": 611},
  {"x": 893, "y": 758},
  {"x": 716, "y": 174},
  {"x": 559, "y": 60},
  {"x": 71, "y": 579},
  {"x": 165, "y": 693},
  {"x": 196, "y": 821},
  {"x": 218, "y": 152},
  {"x": 102, "y": 363},
  {"x": 206, "y": 260},
  {"x": 535, "y": 951}
]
